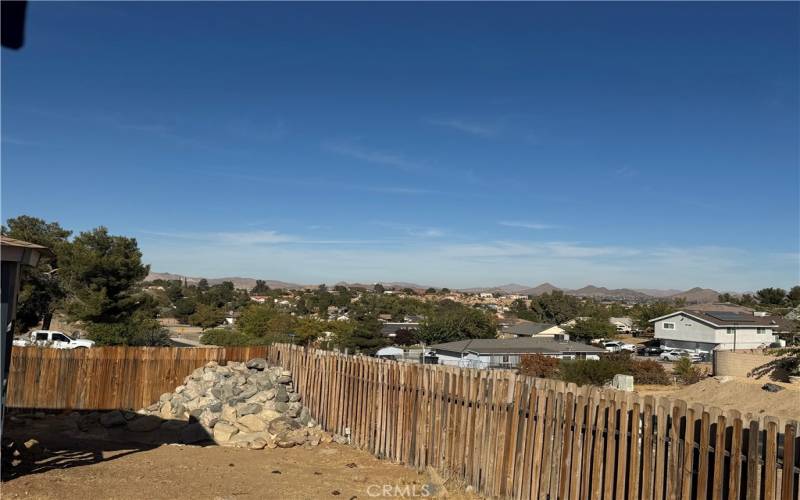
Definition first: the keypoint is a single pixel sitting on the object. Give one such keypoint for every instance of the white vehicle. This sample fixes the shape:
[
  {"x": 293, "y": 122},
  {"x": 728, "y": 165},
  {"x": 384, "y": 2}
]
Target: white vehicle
[
  {"x": 615, "y": 346},
  {"x": 54, "y": 339},
  {"x": 676, "y": 354}
]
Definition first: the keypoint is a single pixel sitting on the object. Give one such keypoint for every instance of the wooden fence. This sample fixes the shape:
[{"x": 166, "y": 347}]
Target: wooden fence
[
  {"x": 107, "y": 377},
  {"x": 505, "y": 434},
  {"x": 518, "y": 437}
]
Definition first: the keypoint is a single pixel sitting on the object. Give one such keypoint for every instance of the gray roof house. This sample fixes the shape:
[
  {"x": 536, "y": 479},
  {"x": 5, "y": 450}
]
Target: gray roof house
[{"x": 506, "y": 353}]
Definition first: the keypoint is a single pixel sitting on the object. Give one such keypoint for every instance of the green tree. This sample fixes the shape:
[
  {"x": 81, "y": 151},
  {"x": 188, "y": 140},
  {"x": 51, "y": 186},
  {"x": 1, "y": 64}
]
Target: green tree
[
  {"x": 254, "y": 320},
  {"x": 592, "y": 328},
  {"x": 207, "y": 316},
  {"x": 453, "y": 321},
  {"x": 102, "y": 274},
  {"x": 430, "y": 291},
  {"x": 41, "y": 289},
  {"x": 184, "y": 308},
  {"x": 261, "y": 288},
  {"x": 794, "y": 295},
  {"x": 771, "y": 296},
  {"x": 643, "y": 313},
  {"x": 378, "y": 288},
  {"x": 202, "y": 285}
]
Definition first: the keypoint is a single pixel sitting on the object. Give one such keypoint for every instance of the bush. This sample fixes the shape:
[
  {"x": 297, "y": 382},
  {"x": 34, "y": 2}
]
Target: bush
[
  {"x": 686, "y": 372},
  {"x": 601, "y": 372},
  {"x": 132, "y": 332},
  {"x": 649, "y": 372},
  {"x": 539, "y": 365},
  {"x": 225, "y": 337}
]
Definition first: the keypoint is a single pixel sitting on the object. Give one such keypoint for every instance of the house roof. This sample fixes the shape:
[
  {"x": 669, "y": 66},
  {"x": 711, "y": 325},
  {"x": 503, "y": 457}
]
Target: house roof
[
  {"x": 13, "y": 242},
  {"x": 723, "y": 318},
  {"x": 527, "y": 328},
  {"x": 522, "y": 345}
]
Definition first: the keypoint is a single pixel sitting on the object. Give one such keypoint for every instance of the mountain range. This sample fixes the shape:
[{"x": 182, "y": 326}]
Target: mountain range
[{"x": 692, "y": 296}]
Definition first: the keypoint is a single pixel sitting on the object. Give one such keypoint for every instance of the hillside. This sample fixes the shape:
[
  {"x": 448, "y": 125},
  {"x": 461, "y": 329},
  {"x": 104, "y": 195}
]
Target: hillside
[
  {"x": 595, "y": 292},
  {"x": 540, "y": 289},
  {"x": 697, "y": 295},
  {"x": 238, "y": 282}
]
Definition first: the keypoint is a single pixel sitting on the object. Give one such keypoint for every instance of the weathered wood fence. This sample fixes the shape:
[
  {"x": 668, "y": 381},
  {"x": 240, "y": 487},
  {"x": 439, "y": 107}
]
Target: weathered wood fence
[
  {"x": 505, "y": 434},
  {"x": 107, "y": 377},
  {"x": 518, "y": 437}
]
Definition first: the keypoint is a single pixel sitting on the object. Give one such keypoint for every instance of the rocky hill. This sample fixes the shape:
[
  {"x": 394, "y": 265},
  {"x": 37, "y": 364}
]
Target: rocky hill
[{"x": 697, "y": 295}]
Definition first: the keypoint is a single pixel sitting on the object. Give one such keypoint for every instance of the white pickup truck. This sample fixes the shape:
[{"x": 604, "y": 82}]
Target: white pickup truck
[{"x": 54, "y": 339}]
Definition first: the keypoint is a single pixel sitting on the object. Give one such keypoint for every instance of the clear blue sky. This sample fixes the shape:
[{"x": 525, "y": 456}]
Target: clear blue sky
[{"x": 639, "y": 145}]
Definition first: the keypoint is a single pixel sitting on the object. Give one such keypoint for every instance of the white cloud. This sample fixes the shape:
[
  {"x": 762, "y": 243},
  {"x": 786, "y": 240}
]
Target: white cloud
[
  {"x": 369, "y": 155},
  {"x": 466, "y": 126},
  {"x": 526, "y": 225}
]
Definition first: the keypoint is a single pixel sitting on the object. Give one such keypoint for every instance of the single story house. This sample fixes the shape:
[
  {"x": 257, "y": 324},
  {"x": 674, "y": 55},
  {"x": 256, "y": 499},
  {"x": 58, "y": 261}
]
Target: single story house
[
  {"x": 709, "y": 330},
  {"x": 506, "y": 353},
  {"x": 532, "y": 329}
]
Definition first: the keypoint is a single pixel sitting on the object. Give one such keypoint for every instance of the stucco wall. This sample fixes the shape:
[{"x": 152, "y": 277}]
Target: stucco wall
[{"x": 739, "y": 363}]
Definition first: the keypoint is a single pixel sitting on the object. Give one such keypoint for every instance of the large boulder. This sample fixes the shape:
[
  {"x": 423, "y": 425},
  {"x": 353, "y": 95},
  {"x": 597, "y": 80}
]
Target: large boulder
[
  {"x": 223, "y": 432},
  {"x": 253, "y": 423},
  {"x": 243, "y": 409},
  {"x": 257, "y": 364},
  {"x": 282, "y": 425}
]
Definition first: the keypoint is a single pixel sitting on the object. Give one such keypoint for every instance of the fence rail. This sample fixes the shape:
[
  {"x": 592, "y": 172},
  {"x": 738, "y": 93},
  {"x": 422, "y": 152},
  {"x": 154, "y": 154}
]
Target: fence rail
[{"x": 506, "y": 434}]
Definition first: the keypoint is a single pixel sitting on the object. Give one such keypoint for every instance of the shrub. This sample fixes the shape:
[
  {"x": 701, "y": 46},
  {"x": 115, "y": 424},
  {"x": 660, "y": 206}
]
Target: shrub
[
  {"x": 649, "y": 372},
  {"x": 588, "y": 372},
  {"x": 133, "y": 332},
  {"x": 224, "y": 337},
  {"x": 686, "y": 372},
  {"x": 539, "y": 365}
]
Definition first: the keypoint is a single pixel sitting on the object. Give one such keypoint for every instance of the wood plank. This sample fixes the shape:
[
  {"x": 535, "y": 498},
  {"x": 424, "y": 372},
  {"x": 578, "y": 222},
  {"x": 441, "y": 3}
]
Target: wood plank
[
  {"x": 735, "y": 466},
  {"x": 787, "y": 486},
  {"x": 771, "y": 458}
]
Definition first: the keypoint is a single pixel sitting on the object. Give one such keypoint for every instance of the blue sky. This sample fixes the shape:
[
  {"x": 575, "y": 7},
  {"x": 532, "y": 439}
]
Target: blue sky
[{"x": 639, "y": 145}]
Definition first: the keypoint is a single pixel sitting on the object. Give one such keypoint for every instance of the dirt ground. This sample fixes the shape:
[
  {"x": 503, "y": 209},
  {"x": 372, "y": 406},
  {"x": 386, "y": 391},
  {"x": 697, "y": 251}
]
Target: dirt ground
[
  {"x": 70, "y": 468},
  {"x": 742, "y": 394}
]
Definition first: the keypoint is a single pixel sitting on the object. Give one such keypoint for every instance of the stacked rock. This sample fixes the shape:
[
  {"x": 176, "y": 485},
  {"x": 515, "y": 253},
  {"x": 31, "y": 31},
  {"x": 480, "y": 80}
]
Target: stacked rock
[{"x": 242, "y": 404}]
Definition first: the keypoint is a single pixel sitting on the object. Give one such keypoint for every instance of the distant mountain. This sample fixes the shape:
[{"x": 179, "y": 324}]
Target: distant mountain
[
  {"x": 658, "y": 293},
  {"x": 539, "y": 290},
  {"x": 697, "y": 295},
  {"x": 601, "y": 292},
  {"x": 241, "y": 283},
  {"x": 509, "y": 288}
]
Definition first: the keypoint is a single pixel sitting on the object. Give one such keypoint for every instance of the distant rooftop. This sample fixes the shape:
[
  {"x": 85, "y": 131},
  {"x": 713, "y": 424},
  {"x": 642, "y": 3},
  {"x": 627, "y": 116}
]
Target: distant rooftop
[{"x": 523, "y": 345}]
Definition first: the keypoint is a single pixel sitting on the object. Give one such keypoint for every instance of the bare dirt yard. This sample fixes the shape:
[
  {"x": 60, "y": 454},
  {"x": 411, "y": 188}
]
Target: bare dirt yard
[
  {"x": 742, "y": 394},
  {"x": 62, "y": 466}
]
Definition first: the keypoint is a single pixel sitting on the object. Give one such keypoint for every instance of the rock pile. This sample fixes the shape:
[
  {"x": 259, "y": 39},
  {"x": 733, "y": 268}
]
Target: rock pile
[{"x": 240, "y": 404}]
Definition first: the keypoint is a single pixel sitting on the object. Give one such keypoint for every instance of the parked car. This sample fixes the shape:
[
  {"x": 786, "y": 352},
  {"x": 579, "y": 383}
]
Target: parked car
[
  {"x": 54, "y": 339},
  {"x": 650, "y": 348},
  {"x": 615, "y": 346},
  {"x": 676, "y": 354}
]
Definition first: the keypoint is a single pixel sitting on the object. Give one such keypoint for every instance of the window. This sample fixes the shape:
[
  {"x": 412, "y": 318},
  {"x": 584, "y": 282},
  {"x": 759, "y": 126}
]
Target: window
[
  {"x": 688, "y": 324},
  {"x": 60, "y": 338},
  {"x": 505, "y": 359},
  {"x": 668, "y": 326},
  {"x": 731, "y": 331},
  {"x": 41, "y": 336}
]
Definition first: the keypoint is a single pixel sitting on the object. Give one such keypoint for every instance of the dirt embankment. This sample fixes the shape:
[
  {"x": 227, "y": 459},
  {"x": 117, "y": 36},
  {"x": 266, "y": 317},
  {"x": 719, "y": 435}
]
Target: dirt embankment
[{"x": 733, "y": 393}]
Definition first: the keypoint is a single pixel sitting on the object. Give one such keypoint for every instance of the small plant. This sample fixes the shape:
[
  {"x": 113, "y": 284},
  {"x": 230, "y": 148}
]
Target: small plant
[
  {"x": 225, "y": 337},
  {"x": 686, "y": 372},
  {"x": 539, "y": 365}
]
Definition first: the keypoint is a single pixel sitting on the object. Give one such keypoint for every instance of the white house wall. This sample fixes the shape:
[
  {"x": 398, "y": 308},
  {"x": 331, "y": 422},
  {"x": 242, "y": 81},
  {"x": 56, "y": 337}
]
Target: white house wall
[{"x": 690, "y": 333}]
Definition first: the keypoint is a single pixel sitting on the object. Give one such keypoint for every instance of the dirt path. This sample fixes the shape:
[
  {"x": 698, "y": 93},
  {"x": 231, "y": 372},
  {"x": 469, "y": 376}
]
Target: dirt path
[{"x": 69, "y": 468}]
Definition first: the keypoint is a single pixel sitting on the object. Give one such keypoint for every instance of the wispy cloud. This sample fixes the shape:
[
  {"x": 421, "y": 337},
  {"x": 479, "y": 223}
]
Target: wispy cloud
[
  {"x": 369, "y": 155},
  {"x": 526, "y": 225},
  {"x": 626, "y": 172},
  {"x": 413, "y": 230},
  {"x": 19, "y": 142},
  {"x": 466, "y": 126}
]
